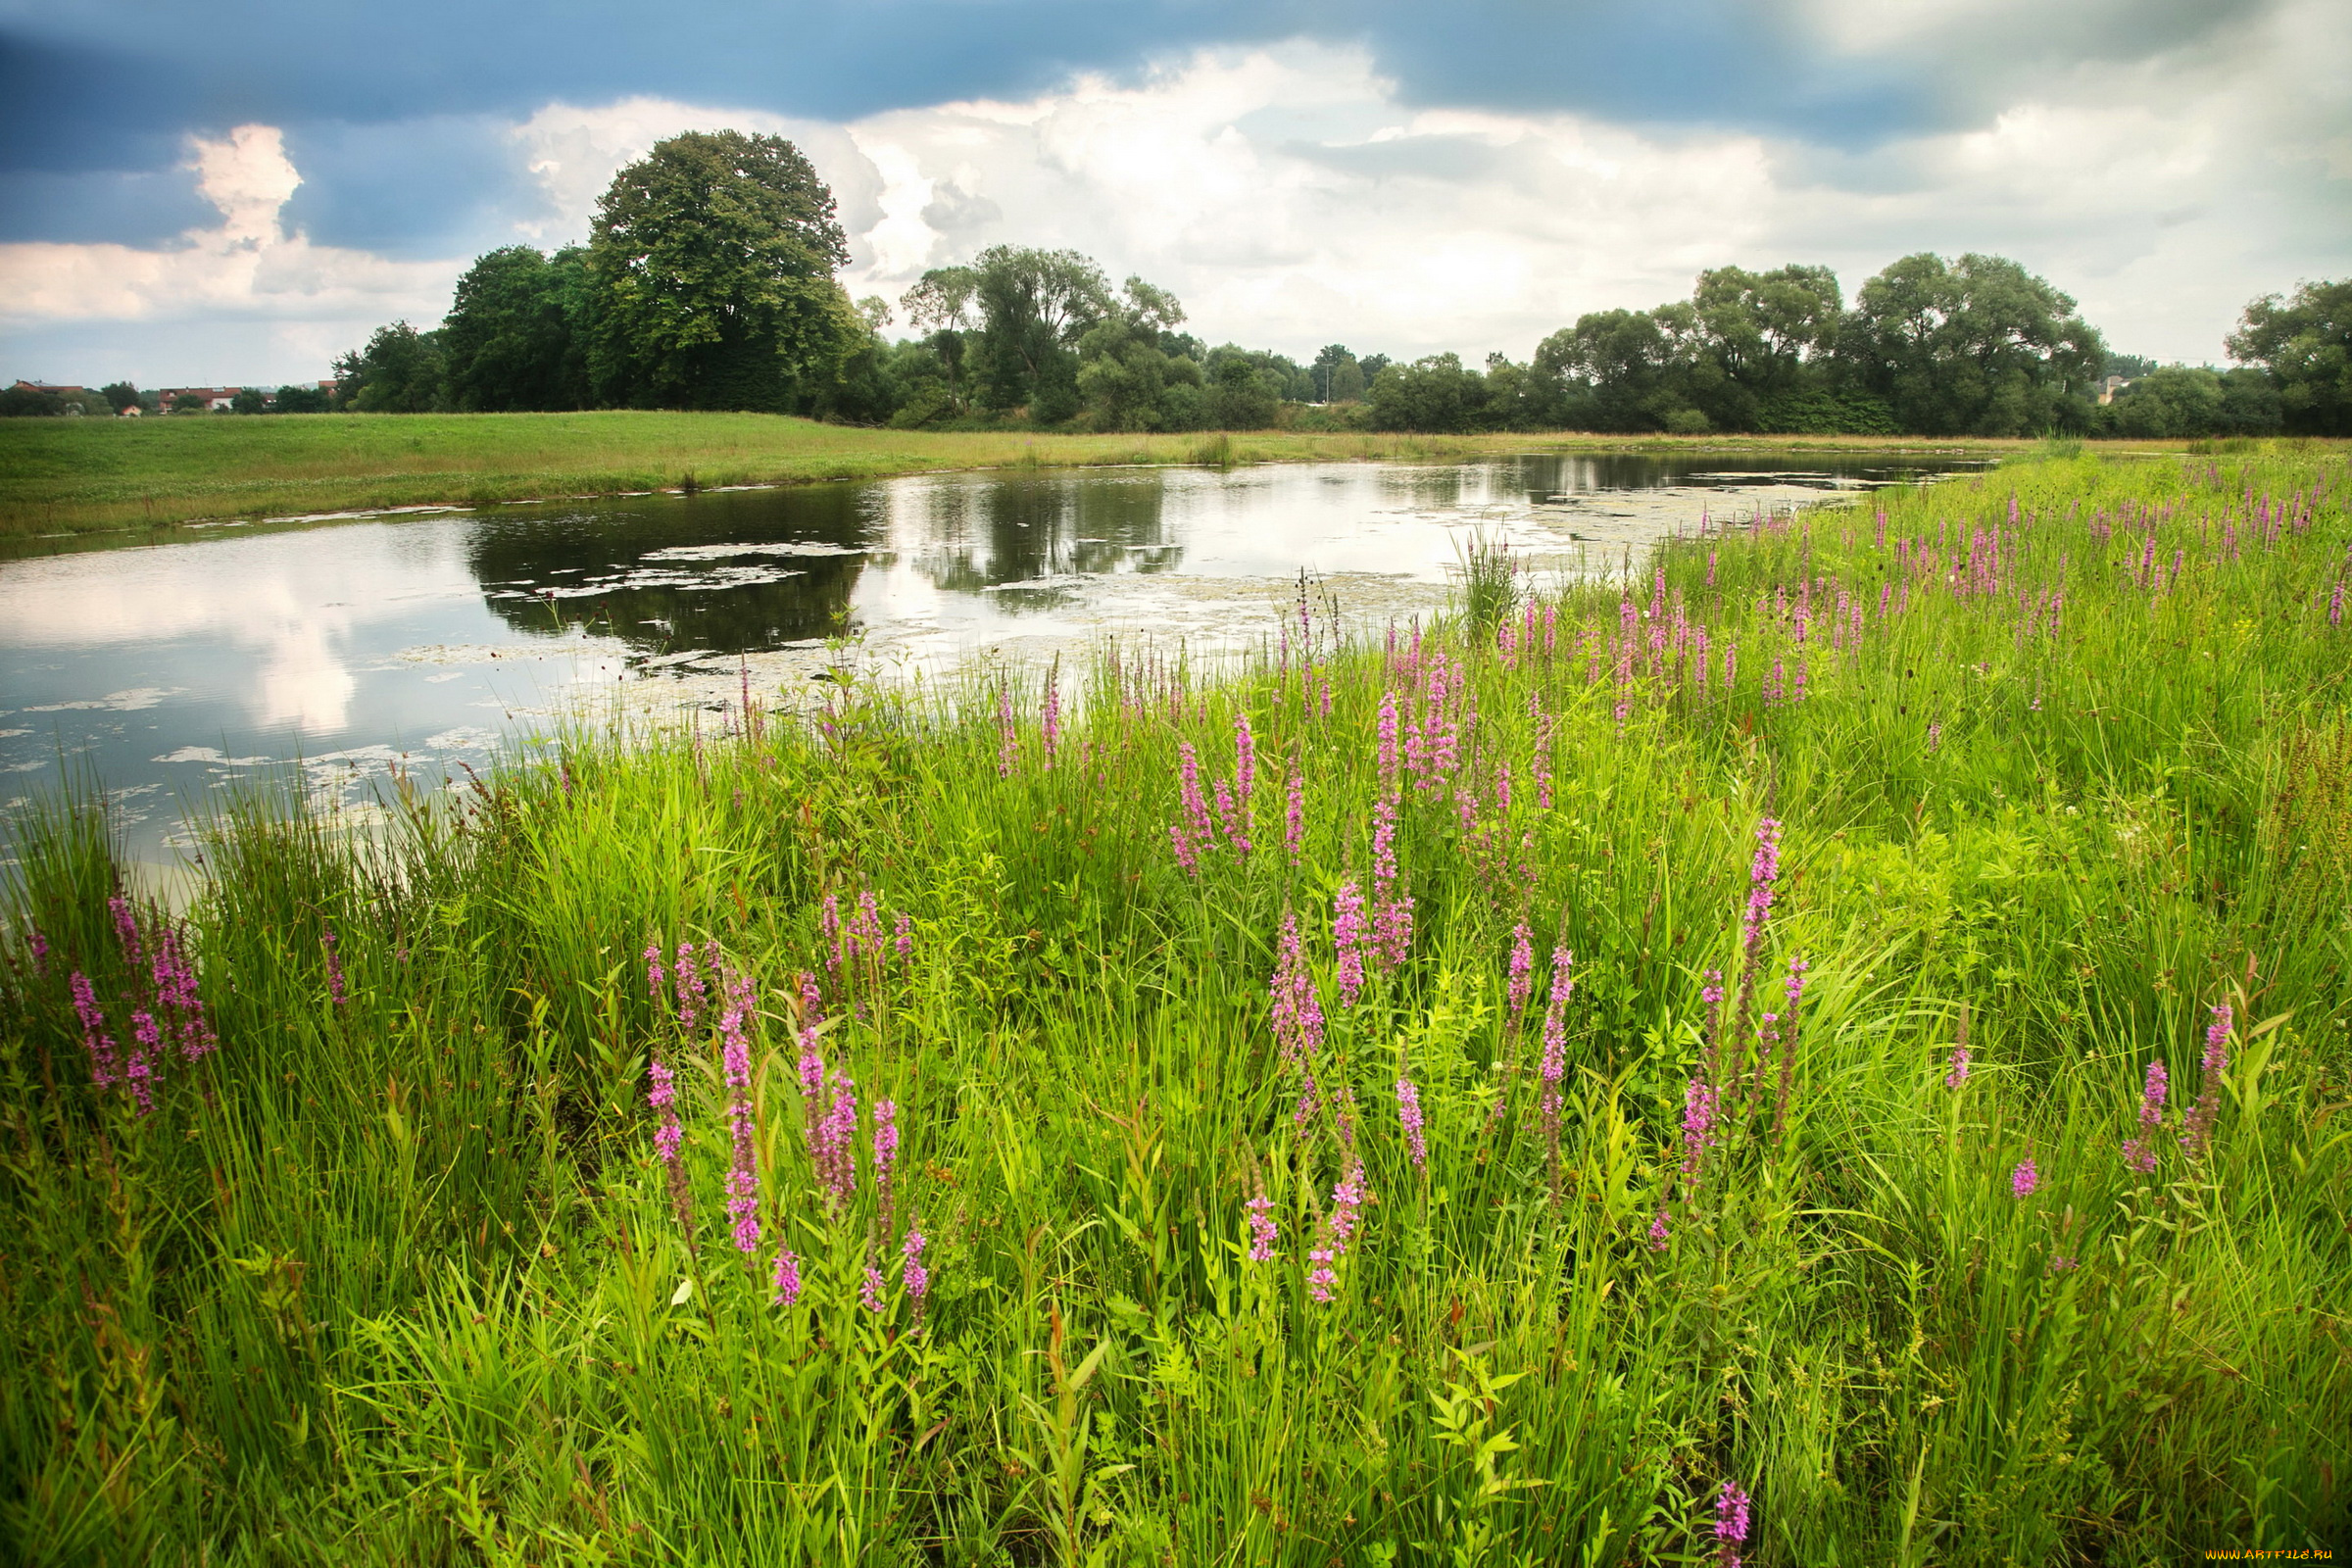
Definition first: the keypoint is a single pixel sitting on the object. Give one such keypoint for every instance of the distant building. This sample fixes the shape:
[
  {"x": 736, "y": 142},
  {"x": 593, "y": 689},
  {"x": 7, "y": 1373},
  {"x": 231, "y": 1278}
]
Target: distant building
[
  {"x": 216, "y": 398},
  {"x": 2111, "y": 386}
]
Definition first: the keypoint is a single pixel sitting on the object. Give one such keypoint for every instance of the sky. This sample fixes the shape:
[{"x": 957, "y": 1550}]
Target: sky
[{"x": 237, "y": 191}]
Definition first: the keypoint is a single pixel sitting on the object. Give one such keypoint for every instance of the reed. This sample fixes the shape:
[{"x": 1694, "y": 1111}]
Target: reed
[{"x": 1668, "y": 1072}]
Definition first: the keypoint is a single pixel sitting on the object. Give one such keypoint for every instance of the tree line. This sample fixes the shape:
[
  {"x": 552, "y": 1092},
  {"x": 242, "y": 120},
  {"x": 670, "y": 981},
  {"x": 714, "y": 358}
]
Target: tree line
[{"x": 707, "y": 281}]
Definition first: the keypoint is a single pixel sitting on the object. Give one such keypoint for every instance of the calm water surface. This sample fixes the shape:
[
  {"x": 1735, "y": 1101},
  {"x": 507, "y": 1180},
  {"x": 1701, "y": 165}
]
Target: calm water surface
[{"x": 184, "y": 669}]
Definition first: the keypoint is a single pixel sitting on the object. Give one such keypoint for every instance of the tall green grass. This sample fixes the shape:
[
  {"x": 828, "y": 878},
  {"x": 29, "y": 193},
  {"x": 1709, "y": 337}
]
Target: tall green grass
[{"x": 401, "y": 1278}]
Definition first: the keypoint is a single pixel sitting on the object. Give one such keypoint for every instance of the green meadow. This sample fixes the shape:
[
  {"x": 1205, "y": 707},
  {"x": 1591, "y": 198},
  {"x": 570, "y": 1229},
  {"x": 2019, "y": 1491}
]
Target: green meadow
[
  {"x": 133, "y": 477},
  {"x": 1829, "y": 1050}
]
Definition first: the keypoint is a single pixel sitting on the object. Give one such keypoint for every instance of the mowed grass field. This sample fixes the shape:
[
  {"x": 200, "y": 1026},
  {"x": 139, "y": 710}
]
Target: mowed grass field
[
  {"x": 71, "y": 477},
  {"x": 1830, "y": 1049}
]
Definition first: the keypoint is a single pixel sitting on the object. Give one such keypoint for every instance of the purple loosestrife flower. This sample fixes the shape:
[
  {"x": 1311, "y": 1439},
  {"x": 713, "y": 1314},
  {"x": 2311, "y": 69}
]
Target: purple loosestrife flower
[
  {"x": 2197, "y": 1126},
  {"x": 787, "y": 1277},
  {"x": 147, "y": 1040},
  {"x": 885, "y": 1157},
  {"x": 1700, "y": 1105},
  {"x": 1294, "y": 831},
  {"x": 841, "y": 1140},
  {"x": 828, "y": 929},
  {"x": 1352, "y": 938},
  {"x": 1554, "y": 1066},
  {"x": 2025, "y": 1179},
  {"x": 1194, "y": 831},
  {"x": 1051, "y": 718},
  {"x": 1730, "y": 1524},
  {"x": 176, "y": 991},
  {"x": 2140, "y": 1152},
  {"x": 1245, "y": 782},
  {"x": 1339, "y": 1227},
  {"x": 654, "y": 976},
  {"x": 40, "y": 951},
  {"x": 866, "y": 928},
  {"x": 1523, "y": 963},
  {"x": 1409, "y": 1116},
  {"x": 1659, "y": 1236},
  {"x": 903, "y": 937},
  {"x": 870, "y": 1292},
  {"x": 686, "y": 980},
  {"x": 1391, "y": 913},
  {"x": 335, "y": 967},
  {"x": 662, "y": 1097},
  {"x": 2335, "y": 605},
  {"x": 1297, "y": 1015},
  {"x": 126, "y": 926},
  {"x": 1388, "y": 743},
  {"x": 735, "y": 1056},
  {"x": 917, "y": 1278},
  {"x": 1263, "y": 1232},
  {"x": 1763, "y": 874}
]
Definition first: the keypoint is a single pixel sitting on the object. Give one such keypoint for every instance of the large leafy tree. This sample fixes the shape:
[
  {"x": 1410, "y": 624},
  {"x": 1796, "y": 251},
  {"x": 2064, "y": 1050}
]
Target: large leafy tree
[
  {"x": 2306, "y": 344},
  {"x": 711, "y": 267},
  {"x": 517, "y": 334},
  {"x": 1035, "y": 306},
  {"x": 1125, "y": 368},
  {"x": 398, "y": 371},
  {"x": 1974, "y": 347}
]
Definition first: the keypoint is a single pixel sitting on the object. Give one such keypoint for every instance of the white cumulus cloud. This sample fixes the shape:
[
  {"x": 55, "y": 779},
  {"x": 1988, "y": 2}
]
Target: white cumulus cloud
[{"x": 1292, "y": 196}]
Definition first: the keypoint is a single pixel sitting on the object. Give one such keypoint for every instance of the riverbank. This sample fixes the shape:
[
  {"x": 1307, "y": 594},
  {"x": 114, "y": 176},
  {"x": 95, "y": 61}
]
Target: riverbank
[
  {"x": 141, "y": 477},
  {"x": 1839, "y": 1040}
]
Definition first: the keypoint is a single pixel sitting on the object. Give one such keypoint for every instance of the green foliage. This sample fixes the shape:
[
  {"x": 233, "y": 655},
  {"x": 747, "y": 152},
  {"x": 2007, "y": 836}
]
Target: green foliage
[
  {"x": 1034, "y": 307},
  {"x": 517, "y": 332},
  {"x": 2179, "y": 401},
  {"x": 395, "y": 1274},
  {"x": 2305, "y": 342},
  {"x": 401, "y": 370},
  {"x": 709, "y": 273},
  {"x": 300, "y": 400},
  {"x": 120, "y": 395},
  {"x": 1974, "y": 347}
]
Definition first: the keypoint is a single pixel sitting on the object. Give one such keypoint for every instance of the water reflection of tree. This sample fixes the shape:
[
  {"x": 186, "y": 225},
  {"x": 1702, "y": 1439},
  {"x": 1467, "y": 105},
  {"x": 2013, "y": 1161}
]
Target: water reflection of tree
[
  {"x": 524, "y": 553},
  {"x": 970, "y": 535}
]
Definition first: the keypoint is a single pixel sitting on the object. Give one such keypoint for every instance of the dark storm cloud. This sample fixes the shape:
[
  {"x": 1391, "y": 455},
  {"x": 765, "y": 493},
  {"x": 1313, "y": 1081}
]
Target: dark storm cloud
[
  {"x": 435, "y": 185},
  {"x": 92, "y": 82}
]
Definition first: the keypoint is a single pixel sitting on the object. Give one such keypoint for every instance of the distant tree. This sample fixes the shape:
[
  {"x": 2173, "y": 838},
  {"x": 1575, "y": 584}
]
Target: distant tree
[
  {"x": 1124, "y": 367},
  {"x": 197, "y": 402},
  {"x": 1371, "y": 365},
  {"x": 400, "y": 372},
  {"x": 1241, "y": 391},
  {"x": 946, "y": 302},
  {"x": 1035, "y": 306},
  {"x": 1337, "y": 375},
  {"x": 1435, "y": 393},
  {"x": 1974, "y": 347},
  {"x": 1618, "y": 370},
  {"x": 517, "y": 334},
  {"x": 22, "y": 402},
  {"x": 2305, "y": 342},
  {"x": 120, "y": 395},
  {"x": 2179, "y": 401},
  {"x": 1757, "y": 336},
  {"x": 298, "y": 400},
  {"x": 2131, "y": 367},
  {"x": 249, "y": 400},
  {"x": 710, "y": 271}
]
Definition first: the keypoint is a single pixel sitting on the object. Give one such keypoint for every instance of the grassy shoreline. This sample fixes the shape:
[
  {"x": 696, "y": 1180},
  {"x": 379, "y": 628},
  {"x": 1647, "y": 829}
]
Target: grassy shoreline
[
  {"x": 77, "y": 476},
  {"x": 1291, "y": 1118}
]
